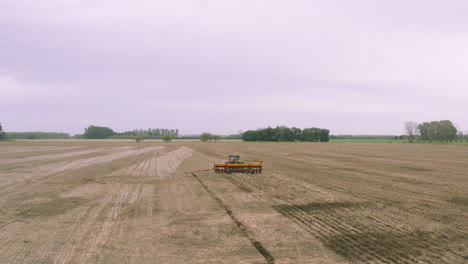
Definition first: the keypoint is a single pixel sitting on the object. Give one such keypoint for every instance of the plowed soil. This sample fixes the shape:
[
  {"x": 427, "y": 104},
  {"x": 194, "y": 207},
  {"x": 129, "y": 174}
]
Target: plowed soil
[{"x": 123, "y": 202}]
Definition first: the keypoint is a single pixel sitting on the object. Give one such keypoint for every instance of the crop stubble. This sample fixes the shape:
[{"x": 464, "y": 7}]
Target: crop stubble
[{"x": 138, "y": 203}]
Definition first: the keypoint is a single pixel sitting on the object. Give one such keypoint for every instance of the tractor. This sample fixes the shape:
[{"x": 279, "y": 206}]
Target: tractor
[{"x": 234, "y": 164}]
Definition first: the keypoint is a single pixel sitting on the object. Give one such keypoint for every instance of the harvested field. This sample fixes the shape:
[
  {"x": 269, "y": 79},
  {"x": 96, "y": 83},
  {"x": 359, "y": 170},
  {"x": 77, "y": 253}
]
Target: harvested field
[{"x": 122, "y": 202}]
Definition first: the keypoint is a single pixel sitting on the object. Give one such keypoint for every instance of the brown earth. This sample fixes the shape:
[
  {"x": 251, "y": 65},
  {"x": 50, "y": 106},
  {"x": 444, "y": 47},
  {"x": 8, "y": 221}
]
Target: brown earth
[{"x": 122, "y": 202}]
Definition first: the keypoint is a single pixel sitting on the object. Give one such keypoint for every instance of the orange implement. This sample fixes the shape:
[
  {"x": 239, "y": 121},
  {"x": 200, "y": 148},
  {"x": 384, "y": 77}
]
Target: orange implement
[{"x": 234, "y": 164}]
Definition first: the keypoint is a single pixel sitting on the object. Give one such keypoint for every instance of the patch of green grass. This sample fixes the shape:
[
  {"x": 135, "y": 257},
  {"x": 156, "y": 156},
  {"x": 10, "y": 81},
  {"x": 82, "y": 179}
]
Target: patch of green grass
[{"x": 355, "y": 140}]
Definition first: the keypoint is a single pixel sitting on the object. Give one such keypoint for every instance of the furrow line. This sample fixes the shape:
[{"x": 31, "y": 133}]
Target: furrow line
[
  {"x": 307, "y": 219},
  {"x": 247, "y": 233}
]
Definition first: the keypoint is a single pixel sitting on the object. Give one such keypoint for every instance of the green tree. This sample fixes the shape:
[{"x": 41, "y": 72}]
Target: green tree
[
  {"x": 97, "y": 132},
  {"x": 310, "y": 134},
  {"x": 438, "y": 130},
  {"x": 460, "y": 136},
  {"x": 296, "y": 133},
  {"x": 167, "y": 138},
  {"x": 424, "y": 131},
  {"x": 285, "y": 133},
  {"x": 250, "y": 135},
  {"x": 324, "y": 135},
  {"x": 206, "y": 136},
  {"x": 138, "y": 138},
  {"x": 2, "y": 133},
  {"x": 448, "y": 132}
]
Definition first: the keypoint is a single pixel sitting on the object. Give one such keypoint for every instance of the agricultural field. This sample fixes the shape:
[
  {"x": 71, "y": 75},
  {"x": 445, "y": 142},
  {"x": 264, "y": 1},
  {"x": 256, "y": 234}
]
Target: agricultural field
[{"x": 151, "y": 202}]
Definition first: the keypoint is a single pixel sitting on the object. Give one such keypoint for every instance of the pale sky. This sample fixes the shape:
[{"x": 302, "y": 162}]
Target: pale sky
[{"x": 351, "y": 66}]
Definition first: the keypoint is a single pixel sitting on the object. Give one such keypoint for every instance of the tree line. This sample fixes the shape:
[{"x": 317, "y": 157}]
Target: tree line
[
  {"x": 31, "y": 135},
  {"x": 38, "y": 135},
  {"x": 284, "y": 134},
  {"x": 206, "y": 136},
  {"x": 98, "y": 132},
  {"x": 151, "y": 133},
  {"x": 441, "y": 131}
]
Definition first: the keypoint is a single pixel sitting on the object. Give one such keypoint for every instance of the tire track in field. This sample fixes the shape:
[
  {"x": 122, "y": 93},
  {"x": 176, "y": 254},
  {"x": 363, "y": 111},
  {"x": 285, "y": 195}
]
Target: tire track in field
[
  {"x": 37, "y": 240},
  {"x": 33, "y": 149},
  {"x": 243, "y": 228},
  {"x": 379, "y": 223},
  {"x": 393, "y": 210},
  {"x": 30, "y": 243},
  {"x": 147, "y": 166},
  {"x": 112, "y": 205},
  {"x": 376, "y": 219},
  {"x": 130, "y": 193},
  {"x": 324, "y": 226},
  {"x": 422, "y": 197},
  {"x": 331, "y": 218},
  {"x": 78, "y": 232},
  {"x": 50, "y": 156},
  {"x": 158, "y": 165},
  {"x": 425, "y": 186},
  {"x": 116, "y": 203},
  {"x": 167, "y": 164},
  {"x": 311, "y": 224},
  {"x": 57, "y": 167}
]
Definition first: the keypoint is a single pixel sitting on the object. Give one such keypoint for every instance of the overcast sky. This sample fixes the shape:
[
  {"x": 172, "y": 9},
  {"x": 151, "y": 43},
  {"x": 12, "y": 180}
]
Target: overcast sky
[{"x": 352, "y": 66}]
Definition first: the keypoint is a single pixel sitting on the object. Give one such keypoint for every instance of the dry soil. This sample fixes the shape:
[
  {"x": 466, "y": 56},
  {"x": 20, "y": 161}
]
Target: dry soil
[{"x": 123, "y": 202}]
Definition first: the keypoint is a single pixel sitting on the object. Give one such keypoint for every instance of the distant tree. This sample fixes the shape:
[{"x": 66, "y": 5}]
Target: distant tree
[
  {"x": 296, "y": 133},
  {"x": 150, "y": 133},
  {"x": 324, "y": 135},
  {"x": 412, "y": 131},
  {"x": 448, "y": 131},
  {"x": 2, "y": 133},
  {"x": 285, "y": 133},
  {"x": 424, "y": 131},
  {"x": 250, "y": 135},
  {"x": 138, "y": 138},
  {"x": 311, "y": 134},
  {"x": 206, "y": 136},
  {"x": 167, "y": 138},
  {"x": 438, "y": 131},
  {"x": 97, "y": 132},
  {"x": 216, "y": 137},
  {"x": 460, "y": 136}
]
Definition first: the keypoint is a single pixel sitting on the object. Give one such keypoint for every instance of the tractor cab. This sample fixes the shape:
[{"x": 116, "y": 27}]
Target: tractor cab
[{"x": 234, "y": 159}]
